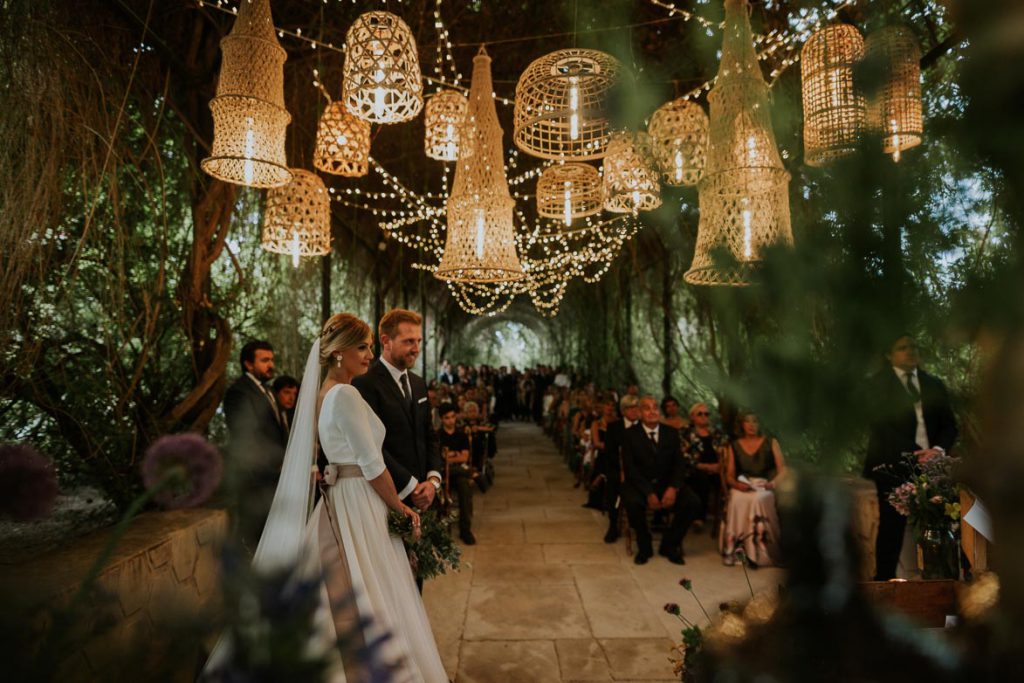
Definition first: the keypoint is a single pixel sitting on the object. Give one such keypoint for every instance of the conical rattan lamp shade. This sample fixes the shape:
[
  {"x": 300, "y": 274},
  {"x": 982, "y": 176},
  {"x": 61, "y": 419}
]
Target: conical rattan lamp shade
[
  {"x": 834, "y": 109},
  {"x": 630, "y": 181},
  {"x": 744, "y": 195},
  {"x": 895, "y": 109},
  {"x": 561, "y": 102},
  {"x": 342, "y": 143},
  {"x": 480, "y": 245},
  {"x": 679, "y": 141},
  {"x": 249, "y": 118},
  {"x": 443, "y": 122},
  {"x": 568, "y": 191},
  {"x": 382, "y": 80},
  {"x": 297, "y": 217}
]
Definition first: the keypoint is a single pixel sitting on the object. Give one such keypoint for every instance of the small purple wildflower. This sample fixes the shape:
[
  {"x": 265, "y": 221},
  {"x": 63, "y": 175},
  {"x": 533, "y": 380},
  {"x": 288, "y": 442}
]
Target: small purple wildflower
[{"x": 672, "y": 608}]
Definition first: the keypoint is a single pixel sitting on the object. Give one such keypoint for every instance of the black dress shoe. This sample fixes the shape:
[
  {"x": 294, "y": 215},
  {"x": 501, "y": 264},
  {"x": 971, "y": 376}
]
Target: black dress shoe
[
  {"x": 641, "y": 558},
  {"x": 468, "y": 538},
  {"x": 675, "y": 558},
  {"x": 611, "y": 536}
]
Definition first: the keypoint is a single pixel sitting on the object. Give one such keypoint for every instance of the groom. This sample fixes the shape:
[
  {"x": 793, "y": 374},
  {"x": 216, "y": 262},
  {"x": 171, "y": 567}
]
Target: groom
[{"x": 399, "y": 397}]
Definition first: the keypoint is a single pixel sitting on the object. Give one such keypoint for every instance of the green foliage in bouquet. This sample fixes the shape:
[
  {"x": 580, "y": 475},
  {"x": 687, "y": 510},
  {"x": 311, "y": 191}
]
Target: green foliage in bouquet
[
  {"x": 433, "y": 552},
  {"x": 929, "y": 496}
]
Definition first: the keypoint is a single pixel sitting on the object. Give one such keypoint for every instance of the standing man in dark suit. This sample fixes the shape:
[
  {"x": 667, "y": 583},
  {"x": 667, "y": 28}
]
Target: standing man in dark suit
[
  {"x": 257, "y": 440},
  {"x": 399, "y": 397},
  {"x": 911, "y": 413},
  {"x": 610, "y": 463},
  {"x": 653, "y": 462}
]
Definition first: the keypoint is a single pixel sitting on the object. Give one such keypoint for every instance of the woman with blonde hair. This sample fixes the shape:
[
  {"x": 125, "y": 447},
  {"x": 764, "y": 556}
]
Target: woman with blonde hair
[{"x": 368, "y": 594}]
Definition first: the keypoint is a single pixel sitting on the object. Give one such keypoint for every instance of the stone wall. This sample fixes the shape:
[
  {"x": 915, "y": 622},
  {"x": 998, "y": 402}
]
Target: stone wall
[{"x": 151, "y": 603}]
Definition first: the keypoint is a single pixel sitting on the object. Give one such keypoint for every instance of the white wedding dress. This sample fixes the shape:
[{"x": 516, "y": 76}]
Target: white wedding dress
[{"x": 369, "y": 564}]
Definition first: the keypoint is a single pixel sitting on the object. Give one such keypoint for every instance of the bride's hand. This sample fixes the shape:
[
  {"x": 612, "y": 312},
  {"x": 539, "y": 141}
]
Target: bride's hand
[{"x": 414, "y": 518}]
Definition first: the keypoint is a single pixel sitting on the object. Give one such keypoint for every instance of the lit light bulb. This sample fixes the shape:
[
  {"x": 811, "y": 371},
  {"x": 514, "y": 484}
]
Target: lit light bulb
[
  {"x": 378, "y": 93},
  {"x": 636, "y": 200},
  {"x": 480, "y": 226},
  {"x": 751, "y": 150},
  {"x": 895, "y": 141},
  {"x": 568, "y": 203},
  {"x": 574, "y": 107},
  {"x": 342, "y": 140},
  {"x": 295, "y": 249},
  {"x": 746, "y": 232},
  {"x": 250, "y": 144},
  {"x": 679, "y": 166}
]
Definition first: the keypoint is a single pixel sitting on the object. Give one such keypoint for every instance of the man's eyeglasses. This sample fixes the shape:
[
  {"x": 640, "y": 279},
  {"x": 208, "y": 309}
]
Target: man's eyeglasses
[{"x": 702, "y": 413}]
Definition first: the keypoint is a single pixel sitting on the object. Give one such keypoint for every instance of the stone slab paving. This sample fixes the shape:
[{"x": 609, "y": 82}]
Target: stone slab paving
[{"x": 541, "y": 598}]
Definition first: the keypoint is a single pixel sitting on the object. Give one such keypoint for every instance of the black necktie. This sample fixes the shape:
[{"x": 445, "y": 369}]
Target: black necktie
[
  {"x": 406, "y": 389},
  {"x": 911, "y": 388},
  {"x": 653, "y": 434}
]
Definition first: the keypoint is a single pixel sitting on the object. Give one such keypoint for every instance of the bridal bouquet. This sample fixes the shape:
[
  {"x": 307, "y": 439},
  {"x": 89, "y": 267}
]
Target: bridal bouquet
[{"x": 432, "y": 552}]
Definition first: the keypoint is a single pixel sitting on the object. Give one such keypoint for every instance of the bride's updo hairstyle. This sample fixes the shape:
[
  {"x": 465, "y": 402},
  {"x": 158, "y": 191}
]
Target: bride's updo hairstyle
[{"x": 341, "y": 331}]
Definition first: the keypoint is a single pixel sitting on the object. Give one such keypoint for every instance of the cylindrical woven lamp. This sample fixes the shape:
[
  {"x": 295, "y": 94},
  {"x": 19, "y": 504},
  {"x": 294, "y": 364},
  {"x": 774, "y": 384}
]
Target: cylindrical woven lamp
[
  {"x": 480, "y": 245},
  {"x": 249, "y": 118},
  {"x": 342, "y": 143},
  {"x": 744, "y": 195},
  {"x": 568, "y": 191},
  {"x": 834, "y": 109},
  {"x": 630, "y": 181},
  {"x": 894, "y": 109},
  {"x": 443, "y": 119},
  {"x": 382, "y": 80},
  {"x": 561, "y": 100},
  {"x": 297, "y": 217},
  {"x": 679, "y": 141}
]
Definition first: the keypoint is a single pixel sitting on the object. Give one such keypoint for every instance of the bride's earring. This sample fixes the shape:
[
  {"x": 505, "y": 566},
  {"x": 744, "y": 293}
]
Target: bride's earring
[{"x": 339, "y": 360}]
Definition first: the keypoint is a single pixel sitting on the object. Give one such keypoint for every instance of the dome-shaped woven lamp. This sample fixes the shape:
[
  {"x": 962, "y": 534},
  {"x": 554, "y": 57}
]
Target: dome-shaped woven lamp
[
  {"x": 480, "y": 245},
  {"x": 744, "y": 196},
  {"x": 568, "y": 191},
  {"x": 443, "y": 119},
  {"x": 560, "y": 105},
  {"x": 834, "y": 110},
  {"x": 679, "y": 141},
  {"x": 249, "y": 118},
  {"x": 894, "y": 109},
  {"x": 630, "y": 181},
  {"x": 297, "y": 217},
  {"x": 342, "y": 143},
  {"x": 382, "y": 82}
]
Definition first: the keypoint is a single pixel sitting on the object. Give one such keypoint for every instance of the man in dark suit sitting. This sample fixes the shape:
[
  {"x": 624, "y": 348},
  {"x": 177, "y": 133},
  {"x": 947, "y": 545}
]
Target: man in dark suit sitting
[
  {"x": 609, "y": 462},
  {"x": 257, "y": 440},
  {"x": 399, "y": 397},
  {"x": 911, "y": 413},
  {"x": 655, "y": 470}
]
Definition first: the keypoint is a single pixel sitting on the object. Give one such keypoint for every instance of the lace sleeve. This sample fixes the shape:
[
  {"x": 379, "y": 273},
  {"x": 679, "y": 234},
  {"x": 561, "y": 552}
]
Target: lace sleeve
[{"x": 351, "y": 414}]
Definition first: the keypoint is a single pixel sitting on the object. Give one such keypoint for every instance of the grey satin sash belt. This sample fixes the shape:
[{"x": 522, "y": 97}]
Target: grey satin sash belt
[{"x": 332, "y": 473}]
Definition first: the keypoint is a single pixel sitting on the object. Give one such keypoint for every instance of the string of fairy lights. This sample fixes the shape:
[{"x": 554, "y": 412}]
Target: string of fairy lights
[{"x": 551, "y": 254}]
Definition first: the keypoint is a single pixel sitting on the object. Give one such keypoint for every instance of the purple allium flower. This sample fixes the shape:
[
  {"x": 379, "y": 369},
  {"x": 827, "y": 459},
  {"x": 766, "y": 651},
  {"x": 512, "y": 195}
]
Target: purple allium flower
[
  {"x": 687, "y": 584},
  {"x": 28, "y": 484},
  {"x": 194, "y": 464},
  {"x": 672, "y": 608}
]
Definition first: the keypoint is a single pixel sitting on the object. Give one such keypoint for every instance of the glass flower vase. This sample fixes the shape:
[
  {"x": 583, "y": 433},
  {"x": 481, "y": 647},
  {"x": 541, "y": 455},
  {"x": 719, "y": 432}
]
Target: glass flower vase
[{"x": 939, "y": 553}]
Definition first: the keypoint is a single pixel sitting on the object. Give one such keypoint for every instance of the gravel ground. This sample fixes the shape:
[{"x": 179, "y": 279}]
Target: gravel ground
[{"x": 75, "y": 514}]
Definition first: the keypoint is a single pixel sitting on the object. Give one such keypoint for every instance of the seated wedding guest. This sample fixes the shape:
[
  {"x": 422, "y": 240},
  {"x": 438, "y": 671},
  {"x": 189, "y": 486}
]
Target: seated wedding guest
[
  {"x": 446, "y": 374},
  {"x": 654, "y": 480},
  {"x": 481, "y": 435},
  {"x": 598, "y": 436},
  {"x": 611, "y": 463},
  {"x": 753, "y": 463},
  {"x": 454, "y": 445},
  {"x": 286, "y": 391},
  {"x": 670, "y": 414},
  {"x": 702, "y": 445}
]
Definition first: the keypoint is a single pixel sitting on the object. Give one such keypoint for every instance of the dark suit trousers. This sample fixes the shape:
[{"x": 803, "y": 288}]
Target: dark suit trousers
[
  {"x": 889, "y": 543},
  {"x": 686, "y": 509},
  {"x": 612, "y": 490},
  {"x": 462, "y": 483}
]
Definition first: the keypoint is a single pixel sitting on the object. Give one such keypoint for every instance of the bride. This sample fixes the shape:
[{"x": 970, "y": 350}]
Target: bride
[{"x": 346, "y": 539}]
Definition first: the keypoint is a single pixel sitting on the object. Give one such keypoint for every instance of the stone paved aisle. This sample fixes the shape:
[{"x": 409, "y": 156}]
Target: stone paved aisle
[{"x": 542, "y": 599}]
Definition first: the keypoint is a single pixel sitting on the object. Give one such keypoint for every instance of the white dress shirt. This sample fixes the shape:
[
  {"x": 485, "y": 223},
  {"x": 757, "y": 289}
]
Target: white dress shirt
[
  {"x": 908, "y": 378},
  {"x": 396, "y": 375}
]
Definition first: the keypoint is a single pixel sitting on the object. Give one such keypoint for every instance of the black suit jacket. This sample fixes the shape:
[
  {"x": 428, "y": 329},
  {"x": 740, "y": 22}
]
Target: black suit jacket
[
  {"x": 410, "y": 442},
  {"x": 651, "y": 468},
  {"x": 611, "y": 458},
  {"x": 257, "y": 439},
  {"x": 894, "y": 422}
]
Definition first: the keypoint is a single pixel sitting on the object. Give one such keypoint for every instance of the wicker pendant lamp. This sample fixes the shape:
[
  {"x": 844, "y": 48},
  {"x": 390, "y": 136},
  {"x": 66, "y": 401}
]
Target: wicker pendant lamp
[
  {"x": 249, "y": 118},
  {"x": 744, "y": 196},
  {"x": 894, "y": 109},
  {"x": 630, "y": 181},
  {"x": 834, "y": 110},
  {"x": 679, "y": 141},
  {"x": 480, "y": 244},
  {"x": 561, "y": 100},
  {"x": 382, "y": 80},
  {"x": 297, "y": 217},
  {"x": 342, "y": 143},
  {"x": 443, "y": 119},
  {"x": 568, "y": 191}
]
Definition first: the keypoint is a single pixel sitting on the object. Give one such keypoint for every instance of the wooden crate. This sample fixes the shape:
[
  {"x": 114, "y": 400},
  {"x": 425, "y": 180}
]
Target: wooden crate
[{"x": 927, "y": 602}]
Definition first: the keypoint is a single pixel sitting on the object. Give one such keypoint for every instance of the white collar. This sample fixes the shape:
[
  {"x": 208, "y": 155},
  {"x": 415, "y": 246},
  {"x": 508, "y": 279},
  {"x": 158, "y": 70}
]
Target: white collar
[
  {"x": 904, "y": 373},
  {"x": 630, "y": 423},
  {"x": 651, "y": 429},
  {"x": 260, "y": 384},
  {"x": 396, "y": 374}
]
